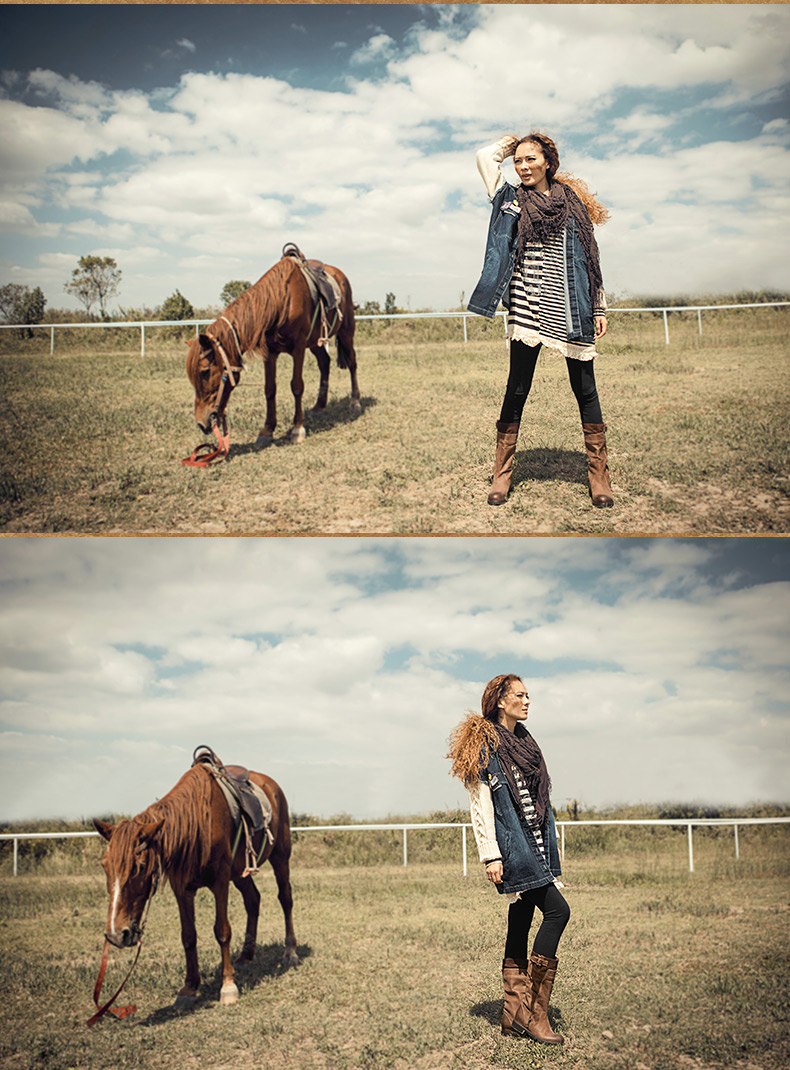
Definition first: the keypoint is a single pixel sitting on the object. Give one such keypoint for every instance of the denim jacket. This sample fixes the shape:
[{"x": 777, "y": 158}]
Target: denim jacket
[
  {"x": 500, "y": 262},
  {"x": 524, "y": 865}
]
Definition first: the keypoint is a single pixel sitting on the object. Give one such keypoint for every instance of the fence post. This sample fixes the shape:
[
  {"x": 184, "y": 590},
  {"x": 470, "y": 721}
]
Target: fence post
[
  {"x": 691, "y": 852},
  {"x": 16, "y": 854},
  {"x": 463, "y": 847},
  {"x": 405, "y": 852},
  {"x": 737, "y": 851},
  {"x": 51, "y": 341},
  {"x": 699, "y": 319},
  {"x": 562, "y": 834},
  {"x": 466, "y": 339},
  {"x": 666, "y": 328},
  {"x": 142, "y": 339}
]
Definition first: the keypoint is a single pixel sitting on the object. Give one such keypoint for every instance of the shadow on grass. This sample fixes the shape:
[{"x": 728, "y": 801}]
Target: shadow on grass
[
  {"x": 337, "y": 414},
  {"x": 491, "y": 1011},
  {"x": 566, "y": 466},
  {"x": 268, "y": 962}
]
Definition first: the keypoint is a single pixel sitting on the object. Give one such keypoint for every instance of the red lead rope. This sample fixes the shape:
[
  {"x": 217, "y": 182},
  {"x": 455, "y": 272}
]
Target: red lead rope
[
  {"x": 117, "y": 1012},
  {"x": 196, "y": 461}
]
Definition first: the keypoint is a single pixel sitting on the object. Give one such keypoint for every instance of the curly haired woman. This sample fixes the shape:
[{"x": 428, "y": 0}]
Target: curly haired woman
[
  {"x": 503, "y": 768},
  {"x": 542, "y": 261}
]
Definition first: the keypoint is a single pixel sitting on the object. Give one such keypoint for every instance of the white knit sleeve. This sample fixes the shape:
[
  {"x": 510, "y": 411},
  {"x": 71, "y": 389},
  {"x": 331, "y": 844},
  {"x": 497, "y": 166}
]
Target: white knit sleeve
[
  {"x": 488, "y": 160},
  {"x": 599, "y": 305},
  {"x": 481, "y": 807}
]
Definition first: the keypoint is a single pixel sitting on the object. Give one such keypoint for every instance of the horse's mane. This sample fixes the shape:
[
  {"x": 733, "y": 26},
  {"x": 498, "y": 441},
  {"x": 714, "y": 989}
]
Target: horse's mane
[
  {"x": 183, "y": 844},
  {"x": 257, "y": 309}
]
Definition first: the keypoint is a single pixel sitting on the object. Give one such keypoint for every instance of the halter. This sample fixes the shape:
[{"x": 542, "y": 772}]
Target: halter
[
  {"x": 121, "y": 1012},
  {"x": 219, "y": 423}
]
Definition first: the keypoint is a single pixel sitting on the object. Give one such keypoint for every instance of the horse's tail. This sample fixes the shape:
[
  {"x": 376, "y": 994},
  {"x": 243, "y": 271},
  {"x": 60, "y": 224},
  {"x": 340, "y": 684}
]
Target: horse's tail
[{"x": 342, "y": 354}]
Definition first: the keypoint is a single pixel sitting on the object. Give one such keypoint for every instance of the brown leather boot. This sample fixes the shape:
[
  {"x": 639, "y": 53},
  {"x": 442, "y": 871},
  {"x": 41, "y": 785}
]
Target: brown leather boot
[
  {"x": 532, "y": 1018},
  {"x": 516, "y": 983},
  {"x": 506, "y": 435},
  {"x": 597, "y": 467}
]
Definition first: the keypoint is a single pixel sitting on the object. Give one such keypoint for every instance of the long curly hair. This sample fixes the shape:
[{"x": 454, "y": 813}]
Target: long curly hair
[
  {"x": 597, "y": 212},
  {"x": 475, "y": 737}
]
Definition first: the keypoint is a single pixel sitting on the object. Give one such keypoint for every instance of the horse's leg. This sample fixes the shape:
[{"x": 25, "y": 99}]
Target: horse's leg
[
  {"x": 252, "y": 904},
  {"x": 266, "y": 433},
  {"x": 186, "y": 908},
  {"x": 322, "y": 356},
  {"x": 229, "y": 993},
  {"x": 281, "y": 867},
  {"x": 347, "y": 357},
  {"x": 298, "y": 432}
]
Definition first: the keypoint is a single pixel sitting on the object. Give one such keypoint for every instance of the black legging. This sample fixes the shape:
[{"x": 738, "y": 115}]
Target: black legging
[
  {"x": 556, "y": 914},
  {"x": 523, "y": 359}
]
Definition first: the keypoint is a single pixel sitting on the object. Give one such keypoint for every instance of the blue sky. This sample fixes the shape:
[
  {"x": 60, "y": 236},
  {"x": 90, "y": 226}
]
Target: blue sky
[
  {"x": 657, "y": 667},
  {"x": 190, "y": 142}
]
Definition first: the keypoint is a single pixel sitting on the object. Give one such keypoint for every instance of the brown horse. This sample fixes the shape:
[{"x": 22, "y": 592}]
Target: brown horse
[
  {"x": 276, "y": 315},
  {"x": 186, "y": 838}
]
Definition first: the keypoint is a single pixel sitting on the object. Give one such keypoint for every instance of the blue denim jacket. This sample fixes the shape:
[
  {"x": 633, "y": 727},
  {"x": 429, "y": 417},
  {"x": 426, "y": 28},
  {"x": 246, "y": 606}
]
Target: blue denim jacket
[
  {"x": 523, "y": 864},
  {"x": 500, "y": 262}
]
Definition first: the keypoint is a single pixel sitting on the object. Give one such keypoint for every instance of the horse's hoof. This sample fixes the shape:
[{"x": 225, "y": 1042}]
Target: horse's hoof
[
  {"x": 262, "y": 441},
  {"x": 228, "y": 994},
  {"x": 356, "y": 405},
  {"x": 290, "y": 958},
  {"x": 184, "y": 1003},
  {"x": 298, "y": 434}
]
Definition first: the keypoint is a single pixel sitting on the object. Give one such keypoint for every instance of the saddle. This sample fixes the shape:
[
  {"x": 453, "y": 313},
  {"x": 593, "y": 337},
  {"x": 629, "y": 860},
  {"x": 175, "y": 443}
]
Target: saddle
[
  {"x": 248, "y": 804},
  {"x": 324, "y": 291}
]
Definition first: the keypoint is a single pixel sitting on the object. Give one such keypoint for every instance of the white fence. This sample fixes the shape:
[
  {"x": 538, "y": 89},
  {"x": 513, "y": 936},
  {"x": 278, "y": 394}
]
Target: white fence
[
  {"x": 734, "y": 822},
  {"x": 197, "y": 324}
]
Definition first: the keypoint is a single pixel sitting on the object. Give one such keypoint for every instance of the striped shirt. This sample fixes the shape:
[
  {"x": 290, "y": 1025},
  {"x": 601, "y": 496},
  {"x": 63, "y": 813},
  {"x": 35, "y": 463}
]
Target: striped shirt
[
  {"x": 537, "y": 299},
  {"x": 528, "y": 809}
]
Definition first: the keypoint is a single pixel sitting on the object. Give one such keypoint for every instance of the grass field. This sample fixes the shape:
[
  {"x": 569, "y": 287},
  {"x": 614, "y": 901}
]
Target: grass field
[
  {"x": 92, "y": 439},
  {"x": 659, "y": 969}
]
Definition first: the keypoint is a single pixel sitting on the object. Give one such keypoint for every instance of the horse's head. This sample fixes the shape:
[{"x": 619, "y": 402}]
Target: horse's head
[
  {"x": 132, "y": 864},
  {"x": 213, "y": 379}
]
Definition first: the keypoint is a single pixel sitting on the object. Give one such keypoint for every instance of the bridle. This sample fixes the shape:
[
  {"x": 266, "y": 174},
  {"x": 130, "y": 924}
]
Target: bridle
[
  {"x": 121, "y": 1012},
  {"x": 219, "y": 422}
]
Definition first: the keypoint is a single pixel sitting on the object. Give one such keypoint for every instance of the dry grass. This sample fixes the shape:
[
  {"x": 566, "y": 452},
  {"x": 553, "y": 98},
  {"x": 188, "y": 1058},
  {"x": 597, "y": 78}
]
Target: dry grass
[
  {"x": 92, "y": 442},
  {"x": 659, "y": 970}
]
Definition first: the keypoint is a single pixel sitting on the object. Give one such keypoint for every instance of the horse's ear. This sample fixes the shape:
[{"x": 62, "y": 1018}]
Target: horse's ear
[
  {"x": 103, "y": 829},
  {"x": 147, "y": 832},
  {"x": 206, "y": 346}
]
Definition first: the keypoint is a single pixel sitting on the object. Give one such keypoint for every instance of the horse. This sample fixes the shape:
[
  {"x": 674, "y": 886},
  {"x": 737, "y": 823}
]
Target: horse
[
  {"x": 275, "y": 315},
  {"x": 186, "y": 839}
]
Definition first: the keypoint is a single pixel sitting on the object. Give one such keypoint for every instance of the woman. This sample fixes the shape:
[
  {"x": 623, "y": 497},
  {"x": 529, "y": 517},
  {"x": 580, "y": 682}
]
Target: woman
[
  {"x": 542, "y": 262},
  {"x": 504, "y": 770}
]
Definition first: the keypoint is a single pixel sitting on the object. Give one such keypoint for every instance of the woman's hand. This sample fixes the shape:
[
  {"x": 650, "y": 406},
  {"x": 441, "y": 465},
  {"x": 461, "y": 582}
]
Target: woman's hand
[
  {"x": 494, "y": 872},
  {"x": 508, "y": 143},
  {"x": 601, "y": 325}
]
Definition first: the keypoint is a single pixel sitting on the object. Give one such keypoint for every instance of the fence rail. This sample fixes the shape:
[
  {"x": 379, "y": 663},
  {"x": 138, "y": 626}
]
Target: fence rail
[
  {"x": 197, "y": 324},
  {"x": 405, "y": 828}
]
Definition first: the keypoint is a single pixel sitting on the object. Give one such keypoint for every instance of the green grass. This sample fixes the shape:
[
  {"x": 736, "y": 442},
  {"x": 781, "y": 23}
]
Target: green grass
[
  {"x": 92, "y": 441},
  {"x": 659, "y": 970}
]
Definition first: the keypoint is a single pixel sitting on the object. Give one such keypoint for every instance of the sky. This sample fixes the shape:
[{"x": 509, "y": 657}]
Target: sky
[
  {"x": 657, "y": 667},
  {"x": 191, "y": 142}
]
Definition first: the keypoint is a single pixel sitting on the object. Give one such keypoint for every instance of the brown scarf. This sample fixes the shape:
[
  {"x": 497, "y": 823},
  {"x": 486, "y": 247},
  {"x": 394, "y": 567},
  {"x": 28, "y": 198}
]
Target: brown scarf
[
  {"x": 523, "y": 752},
  {"x": 542, "y": 216}
]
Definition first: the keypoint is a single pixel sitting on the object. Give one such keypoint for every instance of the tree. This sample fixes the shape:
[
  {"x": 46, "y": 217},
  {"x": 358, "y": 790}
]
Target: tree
[
  {"x": 232, "y": 290},
  {"x": 94, "y": 280},
  {"x": 176, "y": 307},
  {"x": 389, "y": 304},
  {"x": 20, "y": 304}
]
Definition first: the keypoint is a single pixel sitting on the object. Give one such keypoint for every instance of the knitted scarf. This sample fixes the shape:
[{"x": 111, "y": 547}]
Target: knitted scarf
[
  {"x": 523, "y": 752},
  {"x": 542, "y": 216}
]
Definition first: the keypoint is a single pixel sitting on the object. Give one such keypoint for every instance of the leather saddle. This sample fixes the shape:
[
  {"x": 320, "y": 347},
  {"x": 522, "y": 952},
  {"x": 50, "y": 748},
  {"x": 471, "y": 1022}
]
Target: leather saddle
[
  {"x": 323, "y": 287},
  {"x": 251, "y": 802}
]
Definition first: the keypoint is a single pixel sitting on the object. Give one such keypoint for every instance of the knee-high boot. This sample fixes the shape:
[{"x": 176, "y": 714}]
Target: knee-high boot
[
  {"x": 506, "y": 435},
  {"x": 597, "y": 466},
  {"x": 532, "y": 1018},
  {"x": 515, "y": 979}
]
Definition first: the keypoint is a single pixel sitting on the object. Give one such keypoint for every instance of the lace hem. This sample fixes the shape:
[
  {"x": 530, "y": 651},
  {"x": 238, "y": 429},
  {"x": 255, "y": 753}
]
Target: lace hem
[{"x": 567, "y": 349}]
